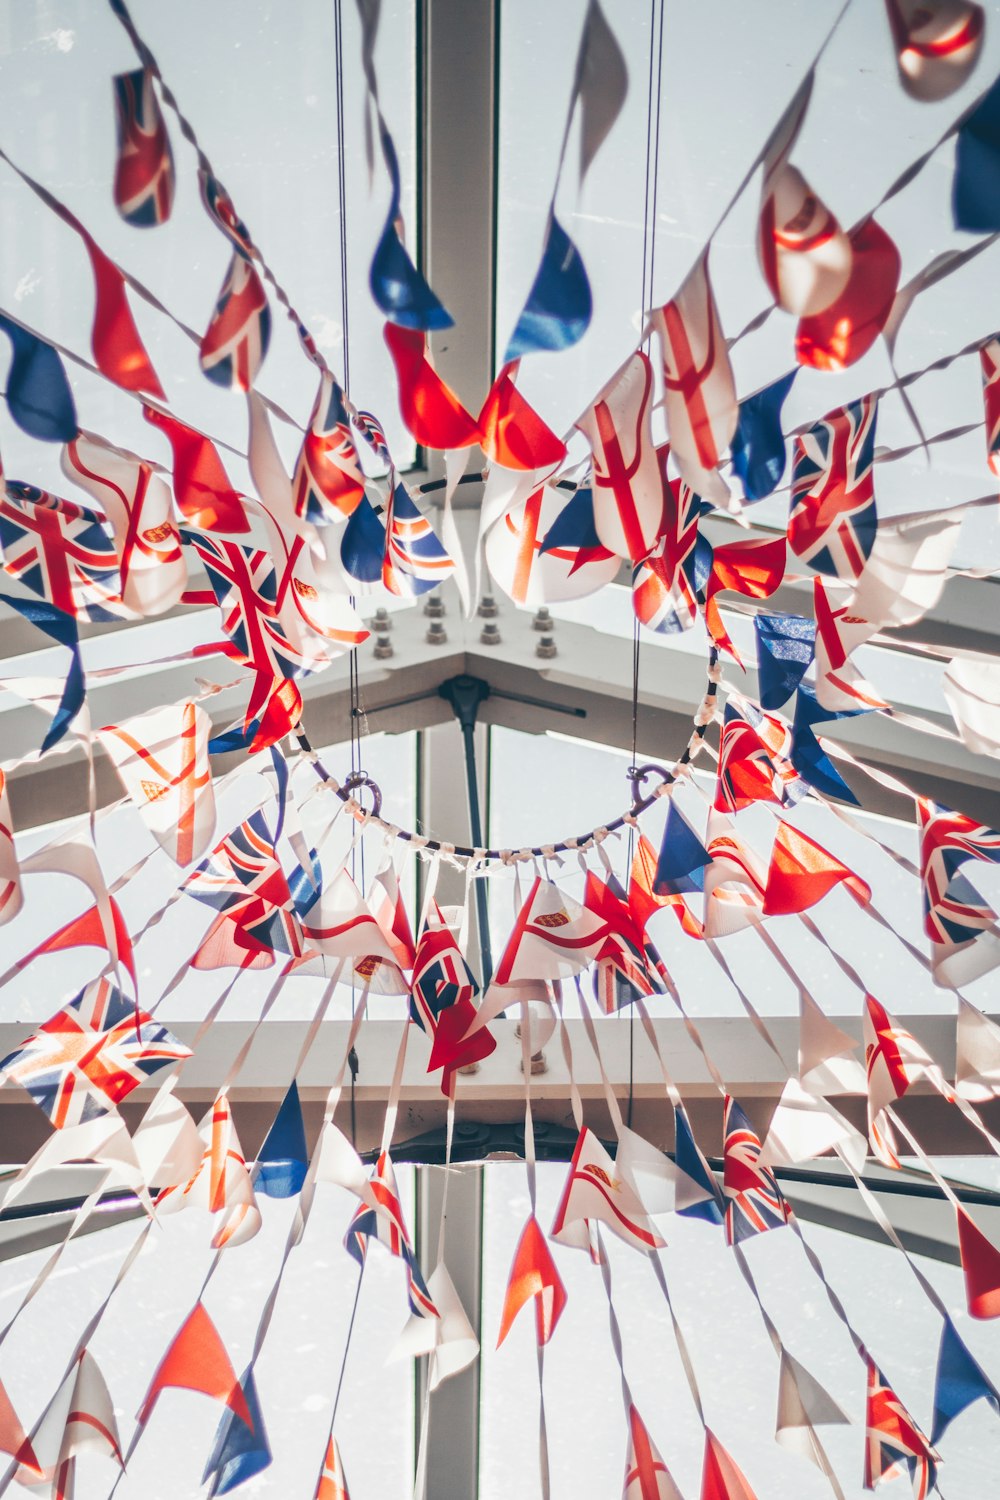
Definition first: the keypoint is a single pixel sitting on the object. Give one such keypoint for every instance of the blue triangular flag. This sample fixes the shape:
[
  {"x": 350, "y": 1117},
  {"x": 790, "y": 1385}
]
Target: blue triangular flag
[
  {"x": 559, "y": 306},
  {"x": 807, "y": 754},
  {"x": 239, "y": 1452},
  {"x": 785, "y": 646},
  {"x": 283, "y": 1158},
  {"x": 574, "y": 525},
  {"x": 362, "y": 546},
  {"x": 397, "y": 286},
  {"x": 38, "y": 393},
  {"x": 683, "y": 857},
  {"x": 976, "y": 190},
  {"x": 959, "y": 1383},
  {"x": 702, "y": 1185},
  {"x": 758, "y": 445},
  {"x": 62, "y": 628}
]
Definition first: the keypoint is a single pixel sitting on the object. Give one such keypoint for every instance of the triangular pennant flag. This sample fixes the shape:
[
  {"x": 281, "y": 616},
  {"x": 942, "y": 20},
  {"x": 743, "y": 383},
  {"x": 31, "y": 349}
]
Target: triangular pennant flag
[
  {"x": 332, "y": 1481},
  {"x": 432, "y": 412},
  {"x": 754, "y": 1201},
  {"x": 91, "y": 930},
  {"x": 380, "y": 1216},
  {"x": 699, "y": 386},
  {"x": 697, "y": 1195},
  {"x": 721, "y": 1479},
  {"x": 39, "y": 398},
  {"x": 90, "y": 1055},
  {"x": 785, "y": 648},
  {"x": 734, "y": 880},
  {"x": 758, "y": 444},
  {"x": 833, "y": 520},
  {"x": 202, "y": 488},
  {"x": 14, "y": 1439},
  {"x": 553, "y": 937},
  {"x": 600, "y": 84},
  {"x": 972, "y": 689},
  {"x": 977, "y": 167},
  {"x": 530, "y": 570},
  {"x": 804, "y": 1127},
  {"x": 449, "y": 1338},
  {"x": 415, "y": 560},
  {"x": 139, "y": 508},
  {"x": 594, "y": 1191},
  {"x": 167, "y": 1142},
  {"x": 959, "y": 1382},
  {"x": 397, "y": 286},
  {"x": 236, "y": 341},
  {"x": 627, "y": 483},
  {"x": 977, "y": 1054},
  {"x": 754, "y": 763},
  {"x": 803, "y": 1404},
  {"x": 981, "y": 1265},
  {"x": 340, "y": 924},
  {"x": 650, "y": 1174},
  {"x": 753, "y": 569},
  {"x": 338, "y": 1162},
  {"x": 958, "y": 922},
  {"x": 895, "y": 1060},
  {"x": 79, "y": 1418},
  {"x": 805, "y": 752},
  {"x": 241, "y": 1449},
  {"x": 827, "y": 1064},
  {"x": 840, "y": 334},
  {"x": 119, "y": 352},
  {"x": 329, "y": 480},
  {"x": 559, "y": 307},
  {"x": 222, "y": 1183},
  {"x": 646, "y": 1475},
  {"x": 362, "y": 543},
  {"x": 144, "y": 169},
  {"x": 895, "y": 1444},
  {"x": 512, "y": 434},
  {"x": 283, "y": 1160},
  {"x": 533, "y": 1275},
  {"x": 162, "y": 760},
  {"x": 937, "y": 44},
  {"x": 62, "y": 627},
  {"x": 196, "y": 1360},
  {"x": 802, "y": 872}
]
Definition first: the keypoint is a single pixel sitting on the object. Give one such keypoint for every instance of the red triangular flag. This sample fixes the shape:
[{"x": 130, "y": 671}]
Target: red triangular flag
[
  {"x": 119, "y": 352},
  {"x": 431, "y": 410},
  {"x": 88, "y": 931},
  {"x": 721, "y": 1478},
  {"x": 981, "y": 1264},
  {"x": 801, "y": 873},
  {"x": 201, "y": 485},
  {"x": 197, "y": 1361},
  {"x": 452, "y": 1048},
  {"x": 533, "y": 1274},
  {"x": 754, "y": 569},
  {"x": 512, "y": 433},
  {"x": 844, "y": 331},
  {"x": 13, "y": 1438}
]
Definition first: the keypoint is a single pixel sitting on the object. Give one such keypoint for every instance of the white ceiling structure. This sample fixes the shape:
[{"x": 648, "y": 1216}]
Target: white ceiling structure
[{"x": 475, "y": 93}]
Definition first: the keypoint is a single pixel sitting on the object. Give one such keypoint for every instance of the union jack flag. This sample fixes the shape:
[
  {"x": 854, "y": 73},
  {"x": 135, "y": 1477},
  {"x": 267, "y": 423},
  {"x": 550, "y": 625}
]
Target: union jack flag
[
  {"x": 989, "y": 358},
  {"x": 894, "y": 1443},
  {"x": 90, "y": 1056},
  {"x": 894, "y": 1059},
  {"x": 415, "y": 560},
  {"x": 622, "y": 970},
  {"x": 441, "y": 978},
  {"x": 243, "y": 881},
  {"x": 220, "y": 207},
  {"x": 144, "y": 174},
  {"x": 754, "y": 1200},
  {"x": 61, "y": 551},
  {"x": 329, "y": 481},
  {"x": 833, "y": 520},
  {"x": 955, "y": 914},
  {"x": 666, "y": 584},
  {"x": 332, "y": 1482},
  {"x": 646, "y": 1475},
  {"x": 380, "y": 1216},
  {"x": 236, "y": 340},
  {"x": 753, "y": 759},
  {"x": 371, "y": 430},
  {"x": 245, "y": 584}
]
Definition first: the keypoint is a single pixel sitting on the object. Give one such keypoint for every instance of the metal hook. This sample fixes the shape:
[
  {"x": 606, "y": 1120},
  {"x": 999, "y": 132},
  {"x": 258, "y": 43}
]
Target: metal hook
[
  {"x": 362, "y": 779},
  {"x": 636, "y": 775}
]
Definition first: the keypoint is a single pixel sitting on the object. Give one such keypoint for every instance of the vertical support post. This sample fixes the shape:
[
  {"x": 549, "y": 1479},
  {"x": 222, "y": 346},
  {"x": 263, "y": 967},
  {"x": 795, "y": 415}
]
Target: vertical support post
[
  {"x": 453, "y": 1433},
  {"x": 460, "y": 51}
]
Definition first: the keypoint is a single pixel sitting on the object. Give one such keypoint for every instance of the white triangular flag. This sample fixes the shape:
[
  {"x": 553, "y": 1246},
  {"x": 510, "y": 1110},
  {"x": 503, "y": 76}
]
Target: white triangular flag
[
  {"x": 650, "y": 1174},
  {"x": 827, "y": 1064},
  {"x": 977, "y": 1054},
  {"x": 449, "y": 1338},
  {"x": 802, "y": 1405},
  {"x": 972, "y": 688},
  {"x": 804, "y": 1126}
]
